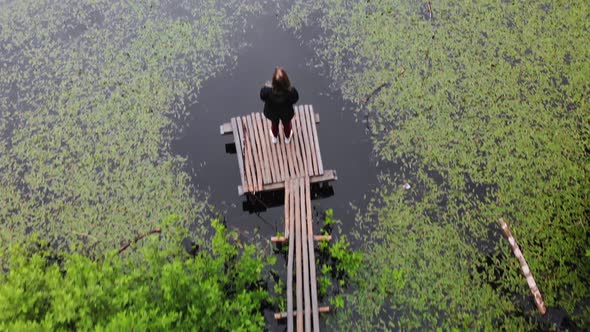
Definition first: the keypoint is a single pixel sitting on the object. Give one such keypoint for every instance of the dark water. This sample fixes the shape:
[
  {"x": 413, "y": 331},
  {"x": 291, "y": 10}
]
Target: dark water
[{"x": 344, "y": 144}]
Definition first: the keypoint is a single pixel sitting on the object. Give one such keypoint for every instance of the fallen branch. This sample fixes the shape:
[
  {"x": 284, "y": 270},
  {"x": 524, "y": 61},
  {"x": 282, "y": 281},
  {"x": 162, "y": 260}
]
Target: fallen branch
[
  {"x": 375, "y": 91},
  {"x": 524, "y": 266},
  {"x": 139, "y": 237}
]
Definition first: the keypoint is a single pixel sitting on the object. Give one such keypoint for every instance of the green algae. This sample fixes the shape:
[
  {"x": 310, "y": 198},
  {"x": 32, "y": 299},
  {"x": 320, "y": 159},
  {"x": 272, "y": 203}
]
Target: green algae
[
  {"x": 482, "y": 107},
  {"x": 91, "y": 94}
]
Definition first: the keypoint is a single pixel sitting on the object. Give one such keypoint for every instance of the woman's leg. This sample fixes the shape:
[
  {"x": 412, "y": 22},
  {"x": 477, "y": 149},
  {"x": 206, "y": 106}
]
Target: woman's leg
[
  {"x": 288, "y": 128},
  {"x": 275, "y": 128}
]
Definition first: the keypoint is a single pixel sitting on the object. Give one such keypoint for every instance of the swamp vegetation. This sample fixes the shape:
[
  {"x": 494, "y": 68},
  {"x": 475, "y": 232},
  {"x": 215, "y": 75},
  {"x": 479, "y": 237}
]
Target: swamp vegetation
[
  {"x": 92, "y": 92},
  {"x": 481, "y": 107}
]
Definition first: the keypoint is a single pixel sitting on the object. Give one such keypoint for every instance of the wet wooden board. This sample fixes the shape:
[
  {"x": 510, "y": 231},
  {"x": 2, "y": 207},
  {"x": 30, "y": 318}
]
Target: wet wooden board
[
  {"x": 298, "y": 255},
  {"x": 317, "y": 144},
  {"x": 246, "y": 155},
  {"x": 289, "y": 217},
  {"x": 264, "y": 165},
  {"x": 226, "y": 129},
  {"x": 311, "y": 140},
  {"x": 238, "y": 144},
  {"x": 312, "y": 269},
  {"x": 254, "y": 149},
  {"x": 303, "y": 238},
  {"x": 329, "y": 175}
]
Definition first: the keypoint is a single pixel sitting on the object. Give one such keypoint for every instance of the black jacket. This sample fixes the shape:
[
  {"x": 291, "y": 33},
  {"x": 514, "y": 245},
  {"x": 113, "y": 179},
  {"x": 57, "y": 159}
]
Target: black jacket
[{"x": 279, "y": 105}]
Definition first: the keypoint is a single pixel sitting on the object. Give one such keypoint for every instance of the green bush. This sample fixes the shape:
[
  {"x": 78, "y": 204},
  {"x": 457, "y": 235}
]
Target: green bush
[{"x": 167, "y": 290}]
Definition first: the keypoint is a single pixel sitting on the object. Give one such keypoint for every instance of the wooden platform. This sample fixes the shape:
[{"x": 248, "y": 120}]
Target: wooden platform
[
  {"x": 298, "y": 218},
  {"x": 266, "y": 166}
]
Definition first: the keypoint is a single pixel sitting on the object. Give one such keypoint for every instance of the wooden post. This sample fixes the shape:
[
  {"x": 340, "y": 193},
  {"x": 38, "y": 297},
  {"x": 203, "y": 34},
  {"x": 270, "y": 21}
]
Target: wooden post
[{"x": 524, "y": 266}]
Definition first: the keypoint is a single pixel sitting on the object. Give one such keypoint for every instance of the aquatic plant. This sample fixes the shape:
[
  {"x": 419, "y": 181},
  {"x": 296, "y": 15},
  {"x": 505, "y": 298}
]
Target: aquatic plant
[
  {"x": 483, "y": 108},
  {"x": 91, "y": 94}
]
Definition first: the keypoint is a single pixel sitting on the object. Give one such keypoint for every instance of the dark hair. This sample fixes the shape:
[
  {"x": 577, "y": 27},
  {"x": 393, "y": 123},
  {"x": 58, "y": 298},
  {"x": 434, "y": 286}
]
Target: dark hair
[{"x": 280, "y": 80}]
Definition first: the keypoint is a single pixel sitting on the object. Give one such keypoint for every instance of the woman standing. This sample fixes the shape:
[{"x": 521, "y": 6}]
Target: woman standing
[{"x": 279, "y": 98}]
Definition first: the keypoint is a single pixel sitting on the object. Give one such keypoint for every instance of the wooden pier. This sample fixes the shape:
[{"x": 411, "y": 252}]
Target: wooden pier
[
  {"x": 292, "y": 167},
  {"x": 266, "y": 166}
]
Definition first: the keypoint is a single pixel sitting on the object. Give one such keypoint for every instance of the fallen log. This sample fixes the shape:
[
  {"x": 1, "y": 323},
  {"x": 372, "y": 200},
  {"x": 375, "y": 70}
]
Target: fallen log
[
  {"x": 139, "y": 237},
  {"x": 525, "y": 267}
]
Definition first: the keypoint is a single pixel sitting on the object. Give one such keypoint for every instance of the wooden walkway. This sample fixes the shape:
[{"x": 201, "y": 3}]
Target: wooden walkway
[{"x": 266, "y": 166}]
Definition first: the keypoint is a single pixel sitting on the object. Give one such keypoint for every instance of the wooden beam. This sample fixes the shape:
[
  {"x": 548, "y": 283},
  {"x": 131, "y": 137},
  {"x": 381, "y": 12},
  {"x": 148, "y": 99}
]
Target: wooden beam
[
  {"x": 283, "y": 315},
  {"x": 299, "y": 260},
  {"x": 312, "y": 272},
  {"x": 238, "y": 143},
  {"x": 305, "y": 249},
  {"x": 302, "y": 140},
  {"x": 297, "y": 140},
  {"x": 262, "y": 145},
  {"x": 247, "y": 155},
  {"x": 283, "y": 239},
  {"x": 257, "y": 164},
  {"x": 289, "y": 213},
  {"x": 329, "y": 175},
  {"x": 525, "y": 267},
  {"x": 313, "y": 142},
  {"x": 290, "y": 152},
  {"x": 225, "y": 129},
  {"x": 309, "y": 145},
  {"x": 317, "y": 144},
  {"x": 287, "y": 167},
  {"x": 272, "y": 150}
]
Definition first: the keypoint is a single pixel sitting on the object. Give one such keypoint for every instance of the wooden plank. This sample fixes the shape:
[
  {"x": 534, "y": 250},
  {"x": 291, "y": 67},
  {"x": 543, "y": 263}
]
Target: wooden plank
[
  {"x": 238, "y": 144},
  {"x": 296, "y": 140},
  {"x": 312, "y": 142},
  {"x": 282, "y": 239},
  {"x": 268, "y": 160},
  {"x": 287, "y": 152},
  {"x": 317, "y": 146},
  {"x": 329, "y": 175},
  {"x": 306, "y": 140},
  {"x": 255, "y": 156},
  {"x": 271, "y": 151},
  {"x": 262, "y": 141},
  {"x": 258, "y": 144},
  {"x": 247, "y": 155},
  {"x": 298, "y": 274},
  {"x": 283, "y": 315},
  {"x": 288, "y": 220},
  {"x": 282, "y": 157},
  {"x": 259, "y": 159},
  {"x": 226, "y": 128},
  {"x": 305, "y": 250},
  {"x": 312, "y": 271},
  {"x": 289, "y": 213},
  {"x": 277, "y": 155},
  {"x": 302, "y": 141}
]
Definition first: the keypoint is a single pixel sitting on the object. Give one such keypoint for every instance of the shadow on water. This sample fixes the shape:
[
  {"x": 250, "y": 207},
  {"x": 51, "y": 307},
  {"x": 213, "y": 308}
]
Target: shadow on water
[{"x": 344, "y": 144}]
